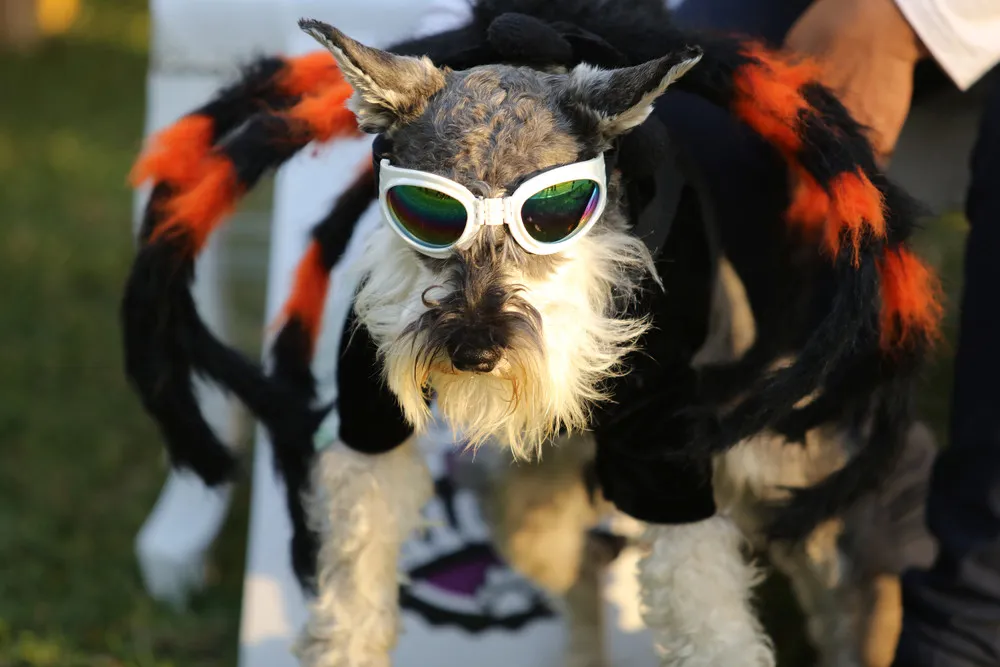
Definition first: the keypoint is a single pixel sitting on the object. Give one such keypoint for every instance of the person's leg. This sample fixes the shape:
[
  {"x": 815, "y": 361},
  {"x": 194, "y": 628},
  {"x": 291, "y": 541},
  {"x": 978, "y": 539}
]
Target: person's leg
[{"x": 952, "y": 611}]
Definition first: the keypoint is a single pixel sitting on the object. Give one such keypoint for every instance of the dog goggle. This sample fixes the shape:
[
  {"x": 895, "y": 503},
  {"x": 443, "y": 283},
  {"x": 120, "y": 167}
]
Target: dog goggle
[{"x": 545, "y": 214}]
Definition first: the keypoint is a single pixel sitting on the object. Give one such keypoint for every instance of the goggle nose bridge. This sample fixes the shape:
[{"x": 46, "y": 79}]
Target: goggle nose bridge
[{"x": 494, "y": 211}]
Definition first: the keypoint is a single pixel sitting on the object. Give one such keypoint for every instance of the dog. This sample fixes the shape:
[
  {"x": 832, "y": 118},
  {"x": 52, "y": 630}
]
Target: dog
[
  {"x": 508, "y": 285},
  {"x": 513, "y": 343}
]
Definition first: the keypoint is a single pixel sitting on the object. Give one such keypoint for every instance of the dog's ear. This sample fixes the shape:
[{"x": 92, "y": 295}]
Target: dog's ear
[
  {"x": 388, "y": 89},
  {"x": 620, "y": 99}
]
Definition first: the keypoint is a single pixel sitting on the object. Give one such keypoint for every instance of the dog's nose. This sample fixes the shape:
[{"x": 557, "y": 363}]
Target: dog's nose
[{"x": 474, "y": 359}]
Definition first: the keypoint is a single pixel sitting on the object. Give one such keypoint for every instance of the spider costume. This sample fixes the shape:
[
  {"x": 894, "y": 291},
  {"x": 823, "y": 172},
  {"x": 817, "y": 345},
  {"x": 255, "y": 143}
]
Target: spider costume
[{"x": 866, "y": 320}]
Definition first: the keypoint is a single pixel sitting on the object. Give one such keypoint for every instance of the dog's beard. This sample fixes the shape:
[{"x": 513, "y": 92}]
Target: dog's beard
[{"x": 536, "y": 390}]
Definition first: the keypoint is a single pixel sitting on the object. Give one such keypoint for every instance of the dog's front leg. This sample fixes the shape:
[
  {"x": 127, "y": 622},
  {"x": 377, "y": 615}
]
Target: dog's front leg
[
  {"x": 364, "y": 506},
  {"x": 696, "y": 596}
]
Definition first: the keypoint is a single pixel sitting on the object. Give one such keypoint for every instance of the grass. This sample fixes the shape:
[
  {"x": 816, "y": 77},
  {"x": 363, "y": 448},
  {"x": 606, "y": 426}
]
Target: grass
[
  {"x": 82, "y": 462},
  {"x": 942, "y": 242}
]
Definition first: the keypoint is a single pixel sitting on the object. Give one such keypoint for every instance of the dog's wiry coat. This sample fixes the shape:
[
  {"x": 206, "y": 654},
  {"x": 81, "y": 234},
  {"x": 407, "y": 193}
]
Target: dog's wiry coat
[{"x": 365, "y": 507}]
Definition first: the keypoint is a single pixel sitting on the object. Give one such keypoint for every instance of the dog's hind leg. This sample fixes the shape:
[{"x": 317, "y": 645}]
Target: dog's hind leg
[
  {"x": 539, "y": 514},
  {"x": 852, "y": 620},
  {"x": 845, "y": 574},
  {"x": 696, "y": 596},
  {"x": 584, "y": 605},
  {"x": 826, "y": 590},
  {"x": 363, "y": 506},
  {"x": 760, "y": 470},
  {"x": 884, "y": 534}
]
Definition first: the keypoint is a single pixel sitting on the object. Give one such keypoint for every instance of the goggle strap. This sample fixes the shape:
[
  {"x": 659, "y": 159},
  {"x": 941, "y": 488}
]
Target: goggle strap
[
  {"x": 610, "y": 160},
  {"x": 381, "y": 147}
]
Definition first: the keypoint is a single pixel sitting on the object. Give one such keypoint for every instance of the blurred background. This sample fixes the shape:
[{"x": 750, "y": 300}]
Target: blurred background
[{"x": 82, "y": 464}]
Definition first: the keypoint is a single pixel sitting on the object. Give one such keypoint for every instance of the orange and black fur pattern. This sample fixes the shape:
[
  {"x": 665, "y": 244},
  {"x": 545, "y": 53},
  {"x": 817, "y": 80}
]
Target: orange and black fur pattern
[{"x": 860, "y": 355}]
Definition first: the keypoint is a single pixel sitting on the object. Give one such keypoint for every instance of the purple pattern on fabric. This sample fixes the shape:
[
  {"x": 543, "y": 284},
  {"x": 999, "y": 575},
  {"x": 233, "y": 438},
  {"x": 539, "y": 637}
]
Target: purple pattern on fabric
[{"x": 464, "y": 578}]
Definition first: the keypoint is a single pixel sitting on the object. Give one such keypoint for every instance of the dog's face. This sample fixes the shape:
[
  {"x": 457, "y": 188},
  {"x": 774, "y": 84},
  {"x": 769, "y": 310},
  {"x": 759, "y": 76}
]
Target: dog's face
[{"x": 512, "y": 344}]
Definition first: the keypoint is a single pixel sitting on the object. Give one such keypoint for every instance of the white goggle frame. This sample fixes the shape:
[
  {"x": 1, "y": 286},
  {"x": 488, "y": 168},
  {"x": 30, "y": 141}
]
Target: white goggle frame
[{"x": 482, "y": 211}]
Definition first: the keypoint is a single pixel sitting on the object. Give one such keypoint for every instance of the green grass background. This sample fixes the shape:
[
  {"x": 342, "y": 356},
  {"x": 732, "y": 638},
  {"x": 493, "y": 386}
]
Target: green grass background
[{"x": 82, "y": 463}]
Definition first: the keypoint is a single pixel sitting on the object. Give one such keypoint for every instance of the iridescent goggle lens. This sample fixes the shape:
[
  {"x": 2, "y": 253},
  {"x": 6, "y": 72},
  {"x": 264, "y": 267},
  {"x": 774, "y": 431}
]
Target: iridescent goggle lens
[
  {"x": 428, "y": 216},
  {"x": 556, "y": 212}
]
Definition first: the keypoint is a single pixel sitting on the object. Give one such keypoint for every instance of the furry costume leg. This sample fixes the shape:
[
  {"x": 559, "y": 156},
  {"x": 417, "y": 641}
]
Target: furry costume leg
[
  {"x": 695, "y": 584},
  {"x": 364, "y": 507},
  {"x": 697, "y": 588}
]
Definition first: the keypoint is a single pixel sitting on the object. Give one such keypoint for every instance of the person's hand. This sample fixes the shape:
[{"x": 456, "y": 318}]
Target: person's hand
[{"x": 867, "y": 51}]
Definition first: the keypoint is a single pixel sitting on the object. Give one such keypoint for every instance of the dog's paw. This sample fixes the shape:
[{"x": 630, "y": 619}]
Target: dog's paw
[{"x": 320, "y": 645}]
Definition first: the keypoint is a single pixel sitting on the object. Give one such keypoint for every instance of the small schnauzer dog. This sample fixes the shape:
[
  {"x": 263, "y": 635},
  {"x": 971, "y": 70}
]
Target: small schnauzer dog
[{"x": 510, "y": 286}]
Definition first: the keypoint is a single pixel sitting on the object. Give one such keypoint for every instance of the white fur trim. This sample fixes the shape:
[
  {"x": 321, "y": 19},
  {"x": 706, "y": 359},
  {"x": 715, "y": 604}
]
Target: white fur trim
[
  {"x": 696, "y": 588},
  {"x": 364, "y": 507}
]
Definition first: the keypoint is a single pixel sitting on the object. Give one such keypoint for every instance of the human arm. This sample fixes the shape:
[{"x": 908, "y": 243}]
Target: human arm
[
  {"x": 869, "y": 48},
  {"x": 867, "y": 51}
]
